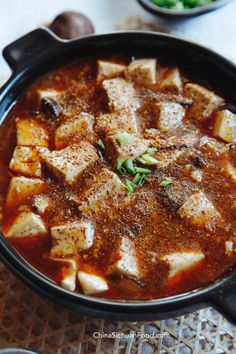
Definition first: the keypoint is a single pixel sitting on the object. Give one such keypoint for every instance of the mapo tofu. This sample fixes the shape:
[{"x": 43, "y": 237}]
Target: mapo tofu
[{"x": 118, "y": 179}]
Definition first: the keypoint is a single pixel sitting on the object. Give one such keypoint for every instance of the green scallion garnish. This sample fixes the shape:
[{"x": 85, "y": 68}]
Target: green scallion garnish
[
  {"x": 118, "y": 165},
  {"x": 149, "y": 131},
  {"x": 151, "y": 151},
  {"x": 142, "y": 170},
  {"x": 142, "y": 161},
  {"x": 142, "y": 180},
  {"x": 123, "y": 171},
  {"x": 137, "y": 178},
  {"x": 167, "y": 182},
  {"x": 149, "y": 159},
  {"x": 124, "y": 138},
  {"x": 101, "y": 144},
  {"x": 129, "y": 166},
  {"x": 129, "y": 186},
  {"x": 181, "y": 4},
  {"x": 120, "y": 168}
]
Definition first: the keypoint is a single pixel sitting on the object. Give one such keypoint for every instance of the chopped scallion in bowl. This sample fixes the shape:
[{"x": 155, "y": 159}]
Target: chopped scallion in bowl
[{"x": 181, "y": 4}]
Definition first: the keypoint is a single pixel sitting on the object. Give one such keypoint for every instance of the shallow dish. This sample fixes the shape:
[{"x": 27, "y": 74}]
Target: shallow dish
[
  {"x": 181, "y": 14},
  {"x": 40, "y": 51}
]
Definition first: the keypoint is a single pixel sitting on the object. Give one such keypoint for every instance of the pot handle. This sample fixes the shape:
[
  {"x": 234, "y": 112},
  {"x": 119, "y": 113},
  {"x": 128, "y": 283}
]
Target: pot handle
[
  {"x": 224, "y": 298},
  {"x": 20, "y": 52}
]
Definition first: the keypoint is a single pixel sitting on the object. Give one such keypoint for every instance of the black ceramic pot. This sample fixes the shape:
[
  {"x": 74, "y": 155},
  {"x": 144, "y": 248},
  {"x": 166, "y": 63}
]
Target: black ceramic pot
[
  {"x": 40, "y": 51},
  {"x": 15, "y": 351}
]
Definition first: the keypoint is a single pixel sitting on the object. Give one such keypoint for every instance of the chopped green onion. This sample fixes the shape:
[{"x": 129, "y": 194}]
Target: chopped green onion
[
  {"x": 136, "y": 178},
  {"x": 151, "y": 150},
  {"x": 142, "y": 170},
  {"x": 142, "y": 180},
  {"x": 149, "y": 159},
  {"x": 120, "y": 168},
  {"x": 129, "y": 186},
  {"x": 142, "y": 161},
  {"x": 118, "y": 165},
  {"x": 124, "y": 138},
  {"x": 139, "y": 179},
  {"x": 101, "y": 144},
  {"x": 100, "y": 154},
  {"x": 123, "y": 171},
  {"x": 181, "y": 4},
  {"x": 166, "y": 182},
  {"x": 129, "y": 166},
  {"x": 149, "y": 131}
]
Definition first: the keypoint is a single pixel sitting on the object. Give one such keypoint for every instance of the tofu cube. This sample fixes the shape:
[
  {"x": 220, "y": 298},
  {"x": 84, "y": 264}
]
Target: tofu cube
[
  {"x": 142, "y": 71},
  {"x": 204, "y": 101},
  {"x": 31, "y": 133},
  {"x": 169, "y": 115},
  {"x": 74, "y": 131},
  {"x": 172, "y": 81},
  {"x": 165, "y": 158},
  {"x": 68, "y": 164},
  {"x": 196, "y": 174},
  {"x": 48, "y": 93},
  {"x": 91, "y": 283},
  {"x": 231, "y": 171},
  {"x": 198, "y": 210},
  {"x": 68, "y": 281},
  {"x": 127, "y": 263},
  {"x": 21, "y": 188},
  {"x": 181, "y": 261},
  {"x": 26, "y": 160},
  {"x": 121, "y": 94},
  {"x": 103, "y": 190},
  {"x": 229, "y": 247},
  {"x": 211, "y": 145},
  {"x": 225, "y": 126},
  {"x": 70, "y": 238},
  {"x": 112, "y": 123},
  {"x": 109, "y": 70},
  {"x": 40, "y": 204},
  {"x": 26, "y": 224},
  {"x": 69, "y": 272},
  {"x": 135, "y": 148}
]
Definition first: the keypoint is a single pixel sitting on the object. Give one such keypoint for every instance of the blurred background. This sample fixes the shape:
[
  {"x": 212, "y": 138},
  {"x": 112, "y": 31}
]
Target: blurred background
[{"x": 215, "y": 30}]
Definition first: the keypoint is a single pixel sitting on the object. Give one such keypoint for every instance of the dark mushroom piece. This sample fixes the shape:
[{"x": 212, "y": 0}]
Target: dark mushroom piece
[
  {"x": 50, "y": 107},
  {"x": 127, "y": 283},
  {"x": 71, "y": 25},
  {"x": 197, "y": 160}
]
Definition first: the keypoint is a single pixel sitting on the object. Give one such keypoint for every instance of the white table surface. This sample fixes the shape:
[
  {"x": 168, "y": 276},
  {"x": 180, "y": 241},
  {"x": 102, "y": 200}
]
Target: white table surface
[{"x": 17, "y": 17}]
